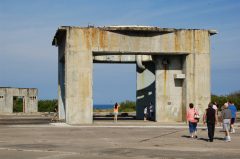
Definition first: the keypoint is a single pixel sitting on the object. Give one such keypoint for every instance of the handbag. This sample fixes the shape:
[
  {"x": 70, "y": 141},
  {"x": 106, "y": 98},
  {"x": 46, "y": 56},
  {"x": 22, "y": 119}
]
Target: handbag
[{"x": 196, "y": 116}]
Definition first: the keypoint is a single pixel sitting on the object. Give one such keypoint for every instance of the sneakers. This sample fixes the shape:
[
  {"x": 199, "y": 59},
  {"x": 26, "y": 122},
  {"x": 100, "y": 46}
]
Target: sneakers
[
  {"x": 227, "y": 139},
  {"x": 232, "y": 131}
]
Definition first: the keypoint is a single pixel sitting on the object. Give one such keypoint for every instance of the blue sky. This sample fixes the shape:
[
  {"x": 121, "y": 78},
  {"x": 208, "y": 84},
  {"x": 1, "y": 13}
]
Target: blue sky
[{"x": 27, "y": 27}]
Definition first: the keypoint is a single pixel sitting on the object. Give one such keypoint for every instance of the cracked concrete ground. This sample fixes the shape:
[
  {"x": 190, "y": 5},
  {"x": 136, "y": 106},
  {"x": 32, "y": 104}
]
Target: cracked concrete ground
[{"x": 126, "y": 139}]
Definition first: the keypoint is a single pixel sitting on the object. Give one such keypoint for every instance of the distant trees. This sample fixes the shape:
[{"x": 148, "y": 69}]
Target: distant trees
[
  {"x": 47, "y": 105},
  {"x": 234, "y": 97},
  {"x": 127, "y": 106},
  {"x": 130, "y": 106}
]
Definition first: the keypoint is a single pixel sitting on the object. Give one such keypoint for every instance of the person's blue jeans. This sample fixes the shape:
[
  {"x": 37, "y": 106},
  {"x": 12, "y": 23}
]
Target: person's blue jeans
[{"x": 192, "y": 127}]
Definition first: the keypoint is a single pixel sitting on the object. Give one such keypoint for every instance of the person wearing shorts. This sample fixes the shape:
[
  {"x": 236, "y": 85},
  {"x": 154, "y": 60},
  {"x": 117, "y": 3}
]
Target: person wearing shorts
[
  {"x": 233, "y": 109},
  {"x": 226, "y": 120},
  {"x": 115, "y": 111}
]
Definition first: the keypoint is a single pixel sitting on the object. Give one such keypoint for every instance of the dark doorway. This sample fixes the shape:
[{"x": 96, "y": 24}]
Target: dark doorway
[{"x": 18, "y": 104}]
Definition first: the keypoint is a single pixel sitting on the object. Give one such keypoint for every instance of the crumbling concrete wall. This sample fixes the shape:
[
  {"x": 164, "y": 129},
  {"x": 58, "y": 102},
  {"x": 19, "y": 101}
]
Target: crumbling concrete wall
[
  {"x": 185, "y": 79},
  {"x": 29, "y": 95}
]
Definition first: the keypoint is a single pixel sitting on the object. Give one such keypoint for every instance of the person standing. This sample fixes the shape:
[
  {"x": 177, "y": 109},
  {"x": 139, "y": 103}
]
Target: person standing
[
  {"x": 192, "y": 122},
  {"x": 145, "y": 114},
  {"x": 55, "y": 114},
  {"x": 151, "y": 111},
  {"x": 226, "y": 120},
  {"x": 115, "y": 111},
  {"x": 233, "y": 109},
  {"x": 210, "y": 117}
]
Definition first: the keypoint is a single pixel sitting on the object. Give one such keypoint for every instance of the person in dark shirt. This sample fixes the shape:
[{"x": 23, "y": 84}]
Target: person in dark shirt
[{"x": 210, "y": 117}]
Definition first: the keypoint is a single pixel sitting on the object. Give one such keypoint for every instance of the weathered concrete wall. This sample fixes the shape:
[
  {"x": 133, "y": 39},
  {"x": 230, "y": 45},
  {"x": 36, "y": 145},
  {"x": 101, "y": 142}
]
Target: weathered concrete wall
[
  {"x": 30, "y": 100},
  {"x": 100, "y": 41},
  {"x": 169, "y": 88},
  {"x": 186, "y": 49}
]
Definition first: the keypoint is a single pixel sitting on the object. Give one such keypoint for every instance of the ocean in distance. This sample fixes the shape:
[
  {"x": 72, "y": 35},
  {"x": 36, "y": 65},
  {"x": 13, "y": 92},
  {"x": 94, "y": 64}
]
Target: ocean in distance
[{"x": 103, "y": 106}]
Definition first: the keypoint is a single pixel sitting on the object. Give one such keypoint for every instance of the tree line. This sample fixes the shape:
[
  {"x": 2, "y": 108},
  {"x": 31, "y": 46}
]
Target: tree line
[
  {"x": 129, "y": 106},
  {"x": 234, "y": 97}
]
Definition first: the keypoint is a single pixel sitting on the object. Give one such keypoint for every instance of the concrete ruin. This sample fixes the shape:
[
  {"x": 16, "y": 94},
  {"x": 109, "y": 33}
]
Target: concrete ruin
[
  {"x": 29, "y": 98},
  {"x": 173, "y": 68}
]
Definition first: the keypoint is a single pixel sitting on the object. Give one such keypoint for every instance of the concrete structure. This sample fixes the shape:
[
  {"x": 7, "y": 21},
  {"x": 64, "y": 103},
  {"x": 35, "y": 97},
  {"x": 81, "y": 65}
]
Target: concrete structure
[
  {"x": 173, "y": 67},
  {"x": 28, "y": 95}
]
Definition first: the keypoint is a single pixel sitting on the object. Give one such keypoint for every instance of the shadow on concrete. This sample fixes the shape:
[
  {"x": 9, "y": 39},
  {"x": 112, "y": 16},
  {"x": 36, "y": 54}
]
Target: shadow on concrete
[
  {"x": 219, "y": 138},
  {"x": 110, "y": 117},
  {"x": 203, "y": 139},
  {"x": 186, "y": 136},
  {"x": 24, "y": 121}
]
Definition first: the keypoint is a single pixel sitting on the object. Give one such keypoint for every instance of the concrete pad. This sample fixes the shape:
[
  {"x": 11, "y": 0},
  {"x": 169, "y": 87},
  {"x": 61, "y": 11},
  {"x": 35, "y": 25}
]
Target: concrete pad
[{"x": 134, "y": 140}]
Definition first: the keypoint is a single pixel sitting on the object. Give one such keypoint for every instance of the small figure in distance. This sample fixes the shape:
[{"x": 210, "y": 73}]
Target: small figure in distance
[
  {"x": 210, "y": 117},
  {"x": 192, "y": 121},
  {"x": 115, "y": 111},
  {"x": 233, "y": 109},
  {"x": 226, "y": 120},
  {"x": 151, "y": 115},
  {"x": 55, "y": 115},
  {"x": 145, "y": 113}
]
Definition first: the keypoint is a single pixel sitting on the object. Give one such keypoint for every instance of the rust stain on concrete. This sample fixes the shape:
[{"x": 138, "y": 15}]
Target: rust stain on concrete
[
  {"x": 86, "y": 33},
  {"x": 102, "y": 39},
  {"x": 165, "y": 80},
  {"x": 94, "y": 37},
  {"x": 177, "y": 41}
]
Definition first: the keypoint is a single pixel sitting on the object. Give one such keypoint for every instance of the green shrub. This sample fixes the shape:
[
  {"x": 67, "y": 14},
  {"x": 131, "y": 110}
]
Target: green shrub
[
  {"x": 47, "y": 105},
  {"x": 234, "y": 97},
  {"x": 17, "y": 104},
  {"x": 127, "y": 106}
]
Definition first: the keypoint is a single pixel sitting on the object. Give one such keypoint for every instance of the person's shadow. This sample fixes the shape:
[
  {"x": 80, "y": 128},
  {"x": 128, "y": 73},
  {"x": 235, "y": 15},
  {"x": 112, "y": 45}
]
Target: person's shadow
[
  {"x": 204, "y": 139},
  {"x": 185, "y": 136}
]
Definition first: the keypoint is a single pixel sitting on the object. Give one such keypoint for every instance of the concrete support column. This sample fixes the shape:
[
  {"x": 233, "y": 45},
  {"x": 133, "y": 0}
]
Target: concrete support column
[
  {"x": 145, "y": 88},
  {"x": 197, "y": 83},
  {"x": 78, "y": 81}
]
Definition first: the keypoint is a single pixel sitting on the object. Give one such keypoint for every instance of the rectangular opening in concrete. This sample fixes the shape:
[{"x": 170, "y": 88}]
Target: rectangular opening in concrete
[
  {"x": 18, "y": 104},
  {"x": 113, "y": 83}
]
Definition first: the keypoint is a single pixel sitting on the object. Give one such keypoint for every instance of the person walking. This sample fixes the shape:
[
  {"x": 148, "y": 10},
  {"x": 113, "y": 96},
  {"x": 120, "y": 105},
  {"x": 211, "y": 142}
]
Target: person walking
[
  {"x": 226, "y": 120},
  {"x": 151, "y": 111},
  {"x": 145, "y": 113},
  {"x": 233, "y": 109},
  {"x": 192, "y": 122},
  {"x": 210, "y": 117},
  {"x": 115, "y": 111}
]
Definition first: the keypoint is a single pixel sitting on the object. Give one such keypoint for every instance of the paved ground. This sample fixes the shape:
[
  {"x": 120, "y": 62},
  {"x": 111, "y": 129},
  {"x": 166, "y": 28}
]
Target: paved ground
[{"x": 104, "y": 139}]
